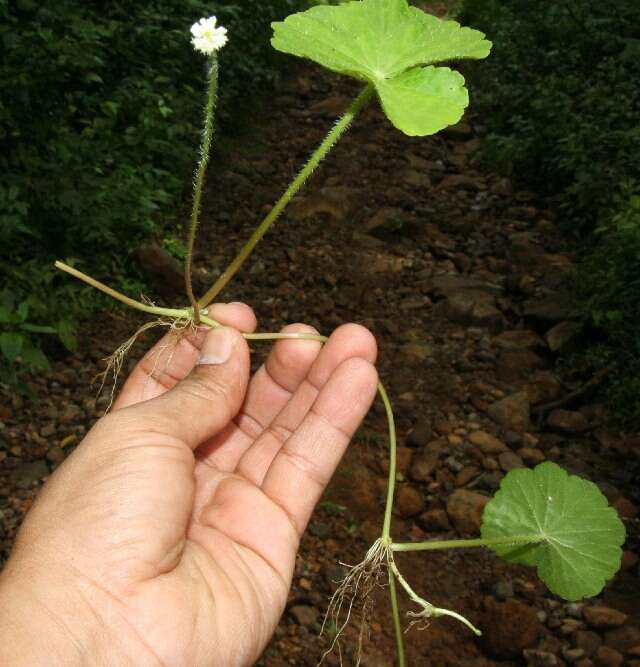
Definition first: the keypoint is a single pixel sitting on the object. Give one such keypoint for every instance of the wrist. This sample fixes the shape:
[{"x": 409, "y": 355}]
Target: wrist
[{"x": 55, "y": 623}]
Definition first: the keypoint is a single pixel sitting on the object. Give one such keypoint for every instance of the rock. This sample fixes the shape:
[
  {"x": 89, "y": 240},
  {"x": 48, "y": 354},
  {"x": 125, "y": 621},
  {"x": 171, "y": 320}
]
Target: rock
[
  {"x": 420, "y": 434},
  {"x": 588, "y": 641},
  {"x": 338, "y": 201},
  {"x": 161, "y": 268},
  {"x": 557, "y": 337},
  {"x": 537, "y": 658},
  {"x": 531, "y": 455},
  {"x": 548, "y": 310},
  {"x": 409, "y": 502},
  {"x": 304, "y": 615},
  {"x": 426, "y": 461},
  {"x": 519, "y": 339},
  {"x": 48, "y": 430},
  {"x": 416, "y": 353},
  {"x": 465, "y": 510},
  {"x": 509, "y": 628},
  {"x": 623, "y": 639},
  {"x": 604, "y": 617},
  {"x": 55, "y": 455},
  {"x": 608, "y": 657},
  {"x": 27, "y": 473},
  {"x": 625, "y": 508},
  {"x": 384, "y": 219},
  {"x": 503, "y": 590},
  {"x": 515, "y": 365},
  {"x": 435, "y": 520},
  {"x": 512, "y": 413},
  {"x": 488, "y": 444},
  {"x": 543, "y": 387},
  {"x": 466, "y": 475},
  {"x": 449, "y": 284},
  {"x": 510, "y": 461},
  {"x": 415, "y": 178},
  {"x": 472, "y": 308},
  {"x": 567, "y": 421}
]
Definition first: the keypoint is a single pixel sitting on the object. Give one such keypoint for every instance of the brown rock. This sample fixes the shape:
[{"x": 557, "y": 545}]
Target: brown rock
[
  {"x": 509, "y": 628},
  {"x": 465, "y": 510},
  {"x": 409, "y": 502},
  {"x": 514, "y": 365},
  {"x": 543, "y": 387},
  {"x": 608, "y": 657},
  {"x": 416, "y": 353},
  {"x": 623, "y": 639},
  {"x": 435, "y": 520},
  {"x": 604, "y": 617},
  {"x": 472, "y": 308},
  {"x": 588, "y": 641},
  {"x": 538, "y": 658},
  {"x": 531, "y": 455},
  {"x": 339, "y": 202},
  {"x": 383, "y": 218},
  {"x": 487, "y": 443},
  {"x": 567, "y": 421},
  {"x": 626, "y": 509},
  {"x": 510, "y": 461},
  {"x": 426, "y": 461},
  {"x": 560, "y": 335},
  {"x": 466, "y": 475},
  {"x": 304, "y": 615},
  {"x": 512, "y": 412},
  {"x": 161, "y": 268},
  {"x": 420, "y": 433},
  {"x": 519, "y": 339}
]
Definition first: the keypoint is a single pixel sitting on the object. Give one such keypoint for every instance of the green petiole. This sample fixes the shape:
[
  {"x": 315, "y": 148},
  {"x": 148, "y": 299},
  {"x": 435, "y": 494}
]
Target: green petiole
[{"x": 467, "y": 544}]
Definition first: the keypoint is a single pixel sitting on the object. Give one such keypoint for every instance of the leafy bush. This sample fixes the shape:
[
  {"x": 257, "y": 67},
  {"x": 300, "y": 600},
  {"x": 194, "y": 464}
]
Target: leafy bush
[
  {"x": 561, "y": 110},
  {"x": 98, "y": 127}
]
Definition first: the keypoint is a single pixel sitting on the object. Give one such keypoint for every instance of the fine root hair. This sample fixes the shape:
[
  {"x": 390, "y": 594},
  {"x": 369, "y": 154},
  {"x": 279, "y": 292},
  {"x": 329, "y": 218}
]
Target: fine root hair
[{"x": 355, "y": 595}]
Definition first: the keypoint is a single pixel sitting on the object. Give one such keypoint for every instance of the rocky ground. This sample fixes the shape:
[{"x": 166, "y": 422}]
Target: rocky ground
[{"x": 461, "y": 279}]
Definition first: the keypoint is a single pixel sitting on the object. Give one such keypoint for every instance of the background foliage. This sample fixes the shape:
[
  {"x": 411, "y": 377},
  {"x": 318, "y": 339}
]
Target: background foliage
[
  {"x": 560, "y": 100},
  {"x": 99, "y": 121}
]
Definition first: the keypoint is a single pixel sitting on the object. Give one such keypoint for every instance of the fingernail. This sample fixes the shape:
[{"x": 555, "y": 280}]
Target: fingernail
[
  {"x": 217, "y": 347},
  {"x": 237, "y": 303}
]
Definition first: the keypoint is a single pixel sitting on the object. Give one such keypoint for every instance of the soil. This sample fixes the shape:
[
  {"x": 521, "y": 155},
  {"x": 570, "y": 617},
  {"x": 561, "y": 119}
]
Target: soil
[{"x": 461, "y": 278}]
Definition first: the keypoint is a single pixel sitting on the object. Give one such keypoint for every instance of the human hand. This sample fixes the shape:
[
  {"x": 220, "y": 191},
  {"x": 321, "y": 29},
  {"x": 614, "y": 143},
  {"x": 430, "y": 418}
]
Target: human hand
[{"x": 169, "y": 536}]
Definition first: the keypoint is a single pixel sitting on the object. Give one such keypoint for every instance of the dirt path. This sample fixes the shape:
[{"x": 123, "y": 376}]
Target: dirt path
[{"x": 460, "y": 278}]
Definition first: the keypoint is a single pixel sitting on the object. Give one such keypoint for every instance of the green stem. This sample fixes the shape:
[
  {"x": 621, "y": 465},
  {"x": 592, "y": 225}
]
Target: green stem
[
  {"x": 397, "y": 626},
  {"x": 182, "y": 313},
  {"x": 391, "y": 487},
  {"x": 328, "y": 143},
  {"x": 466, "y": 544},
  {"x": 205, "y": 152}
]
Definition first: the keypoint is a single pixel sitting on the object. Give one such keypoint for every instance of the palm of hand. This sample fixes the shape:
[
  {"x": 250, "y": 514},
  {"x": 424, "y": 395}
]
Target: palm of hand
[{"x": 190, "y": 526}]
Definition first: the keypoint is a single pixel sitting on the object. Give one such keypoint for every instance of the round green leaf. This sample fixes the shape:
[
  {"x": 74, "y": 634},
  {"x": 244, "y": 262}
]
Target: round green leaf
[
  {"x": 11, "y": 345},
  {"x": 376, "y": 39},
  {"x": 424, "y": 100},
  {"x": 579, "y": 535}
]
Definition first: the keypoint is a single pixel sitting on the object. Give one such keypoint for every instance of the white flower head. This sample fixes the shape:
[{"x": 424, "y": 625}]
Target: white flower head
[{"x": 206, "y": 37}]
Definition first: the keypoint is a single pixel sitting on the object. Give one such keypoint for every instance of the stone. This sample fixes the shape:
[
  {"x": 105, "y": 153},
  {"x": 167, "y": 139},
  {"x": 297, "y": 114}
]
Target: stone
[
  {"x": 435, "y": 520},
  {"x": 623, "y": 639},
  {"x": 426, "y": 461},
  {"x": 532, "y": 456},
  {"x": 339, "y": 202},
  {"x": 26, "y": 474},
  {"x": 543, "y": 387},
  {"x": 383, "y": 219},
  {"x": 420, "y": 434},
  {"x": 466, "y": 475},
  {"x": 465, "y": 510},
  {"x": 416, "y": 179},
  {"x": 509, "y": 628},
  {"x": 304, "y": 615},
  {"x": 448, "y": 284},
  {"x": 519, "y": 339},
  {"x": 515, "y": 365},
  {"x": 55, "y": 455},
  {"x": 625, "y": 508},
  {"x": 538, "y": 658},
  {"x": 588, "y": 641},
  {"x": 488, "y": 444},
  {"x": 512, "y": 413},
  {"x": 557, "y": 337},
  {"x": 408, "y": 502},
  {"x": 567, "y": 421},
  {"x": 510, "y": 461},
  {"x": 608, "y": 657},
  {"x": 416, "y": 354},
  {"x": 604, "y": 617},
  {"x": 472, "y": 308},
  {"x": 548, "y": 310}
]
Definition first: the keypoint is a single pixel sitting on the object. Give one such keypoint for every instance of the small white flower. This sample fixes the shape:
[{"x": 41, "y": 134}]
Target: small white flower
[{"x": 207, "y": 38}]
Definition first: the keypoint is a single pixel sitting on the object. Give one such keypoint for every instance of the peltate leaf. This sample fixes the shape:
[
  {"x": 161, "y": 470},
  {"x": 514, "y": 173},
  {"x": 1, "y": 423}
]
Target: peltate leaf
[
  {"x": 390, "y": 45},
  {"x": 580, "y": 535}
]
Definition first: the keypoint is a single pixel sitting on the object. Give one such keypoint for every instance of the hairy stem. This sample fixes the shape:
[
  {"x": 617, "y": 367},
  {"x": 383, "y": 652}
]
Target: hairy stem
[
  {"x": 132, "y": 303},
  {"x": 322, "y": 150},
  {"x": 397, "y": 625},
  {"x": 437, "y": 545},
  {"x": 205, "y": 152}
]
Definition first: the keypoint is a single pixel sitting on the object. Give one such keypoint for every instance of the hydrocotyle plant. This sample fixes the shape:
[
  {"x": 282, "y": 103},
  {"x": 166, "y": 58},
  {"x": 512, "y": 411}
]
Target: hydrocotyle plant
[{"x": 544, "y": 518}]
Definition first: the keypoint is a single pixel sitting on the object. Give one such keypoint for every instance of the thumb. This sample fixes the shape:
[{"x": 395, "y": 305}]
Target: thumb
[{"x": 205, "y": 401}]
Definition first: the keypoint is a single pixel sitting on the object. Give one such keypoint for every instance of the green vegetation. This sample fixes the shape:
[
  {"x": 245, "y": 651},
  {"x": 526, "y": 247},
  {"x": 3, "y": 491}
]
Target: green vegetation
[
  {"x": 99, "y": 119},
  {"x": 562, "y": 110}
]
